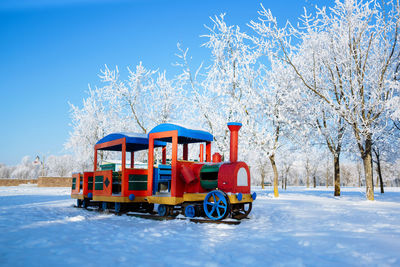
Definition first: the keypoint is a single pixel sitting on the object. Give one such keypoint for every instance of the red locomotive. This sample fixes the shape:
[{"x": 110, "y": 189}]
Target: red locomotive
[{"x": 194, "y": 188}]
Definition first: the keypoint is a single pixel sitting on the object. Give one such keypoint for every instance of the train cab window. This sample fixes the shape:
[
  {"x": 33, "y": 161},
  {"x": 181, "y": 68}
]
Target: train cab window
[
  {"x": 162, "y": 178},
  {"x": 242, "y": 177}
]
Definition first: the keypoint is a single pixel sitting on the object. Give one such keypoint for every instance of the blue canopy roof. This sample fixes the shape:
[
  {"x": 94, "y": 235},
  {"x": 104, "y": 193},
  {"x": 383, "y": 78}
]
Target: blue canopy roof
[
  {"x": 185, "y": 135},
  {"x": 134, "y": 142}
]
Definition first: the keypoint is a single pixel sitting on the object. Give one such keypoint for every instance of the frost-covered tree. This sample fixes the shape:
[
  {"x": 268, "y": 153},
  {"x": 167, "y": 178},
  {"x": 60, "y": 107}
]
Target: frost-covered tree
[
  {"x": 225, "y": 92},
  {"x": 25, "y": 170},
  {"x": 355, "y": 47},
  {"x": 287, "y": 161},
  {"x": 4, "y": 171},
  {"x": 275, "y": 113},
  {"x": 238, "y": 86},
  {"x": 145, "y": 99},
  {"x": 394, "y": 105},
  {"x": 385, "y": 149},
  {"x": 90, "y": 123},
  {"x": 331, "y": 127},
  {"x": 62, "y": 166}
]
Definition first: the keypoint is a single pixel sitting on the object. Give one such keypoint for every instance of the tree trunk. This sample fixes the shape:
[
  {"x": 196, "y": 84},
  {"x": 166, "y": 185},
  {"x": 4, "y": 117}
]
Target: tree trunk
[
  {"x": 262, "y": 180},
  {"x": 262, "y": 173},
  {"x": 337, "y": 175},
  {"x": 285, "y": 182},
  {"x": 272, "y": 159},
  {"x": 372, "y": 172},
  {"x": 378, "y": 163},
  {"x": 308, "y": 180},
  {"x": 380, "y": 177},
  {"x": 315, "y": 181},
  {"x": 367, "y": 161}
]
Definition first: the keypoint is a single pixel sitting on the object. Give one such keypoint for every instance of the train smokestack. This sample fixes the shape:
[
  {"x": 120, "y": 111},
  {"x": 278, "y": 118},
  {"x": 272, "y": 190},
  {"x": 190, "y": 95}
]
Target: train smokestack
[{"x": 234, "y": 127}]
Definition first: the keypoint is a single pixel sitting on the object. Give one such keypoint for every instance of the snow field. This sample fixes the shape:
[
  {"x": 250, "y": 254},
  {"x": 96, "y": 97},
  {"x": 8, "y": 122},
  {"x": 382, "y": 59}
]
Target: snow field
[{"x": 40, "y": 227}]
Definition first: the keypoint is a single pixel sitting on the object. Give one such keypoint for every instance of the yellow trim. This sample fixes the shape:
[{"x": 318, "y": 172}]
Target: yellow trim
[
  {"x": 246, "y": 198},
  {"x": 232, "y": 198},
  {"x": 192, "y": 197},
  {"x": 165, "y": 200},
  {"x": 118, "y": 199},
  {"x": 77, "y": 196}
]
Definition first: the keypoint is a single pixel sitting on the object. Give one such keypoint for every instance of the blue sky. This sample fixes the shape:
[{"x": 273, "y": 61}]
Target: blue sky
[{"x": 51, "y": 50}]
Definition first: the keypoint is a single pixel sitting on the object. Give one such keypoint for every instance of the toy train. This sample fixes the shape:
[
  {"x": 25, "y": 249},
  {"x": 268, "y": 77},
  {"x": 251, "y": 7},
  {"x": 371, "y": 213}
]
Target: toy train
[{"x": 212, "y": 189}]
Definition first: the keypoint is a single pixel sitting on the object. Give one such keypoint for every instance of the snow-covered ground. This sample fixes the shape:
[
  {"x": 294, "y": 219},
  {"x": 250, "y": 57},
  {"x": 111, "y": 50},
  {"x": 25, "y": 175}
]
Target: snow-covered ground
[{"x": 40, "y": 227}]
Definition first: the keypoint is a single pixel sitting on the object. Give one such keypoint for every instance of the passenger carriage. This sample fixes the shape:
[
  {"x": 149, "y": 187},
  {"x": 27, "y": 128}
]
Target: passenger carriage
[
  {"x": 125, "y": 189},
  {"x": 82, "y": 188}
]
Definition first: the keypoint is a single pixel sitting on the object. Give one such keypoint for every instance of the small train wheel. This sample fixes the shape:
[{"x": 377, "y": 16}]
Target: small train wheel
[
  {"x": 190, "y": 211},
  {"x": 104, "y": 206},
  {"x": 79, "y": 203},
  {"x": 170, "y": 210},
  {"x": 216, "y": 205},
  {"x": 163, "y": 210}
]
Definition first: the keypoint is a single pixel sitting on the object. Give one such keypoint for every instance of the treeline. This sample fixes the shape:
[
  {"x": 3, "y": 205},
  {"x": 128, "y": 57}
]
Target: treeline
[
  {"x": 318, "y": 172},
  {"x": 58, "y": 166}
]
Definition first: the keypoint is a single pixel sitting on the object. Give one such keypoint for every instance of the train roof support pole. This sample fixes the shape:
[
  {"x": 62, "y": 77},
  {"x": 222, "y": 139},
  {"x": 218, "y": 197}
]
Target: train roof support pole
[
  {"x": 185, "y": 151},
  {"x": 95, "y": 160},
  {"x": 201, "y": 153},
  {"x": 208, "y": 152}
]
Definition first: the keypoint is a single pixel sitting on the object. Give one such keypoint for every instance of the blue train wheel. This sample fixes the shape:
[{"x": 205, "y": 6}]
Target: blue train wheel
[
  {"x": 190, "y": 211},
  {"x": 162, "y": 210},
  {"x": 216, "y": 205},
  {"x": 104, "y": 206}
]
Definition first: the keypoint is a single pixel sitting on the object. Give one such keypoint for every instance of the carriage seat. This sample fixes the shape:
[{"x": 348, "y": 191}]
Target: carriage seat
[{"x": 162, "y": 174}]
